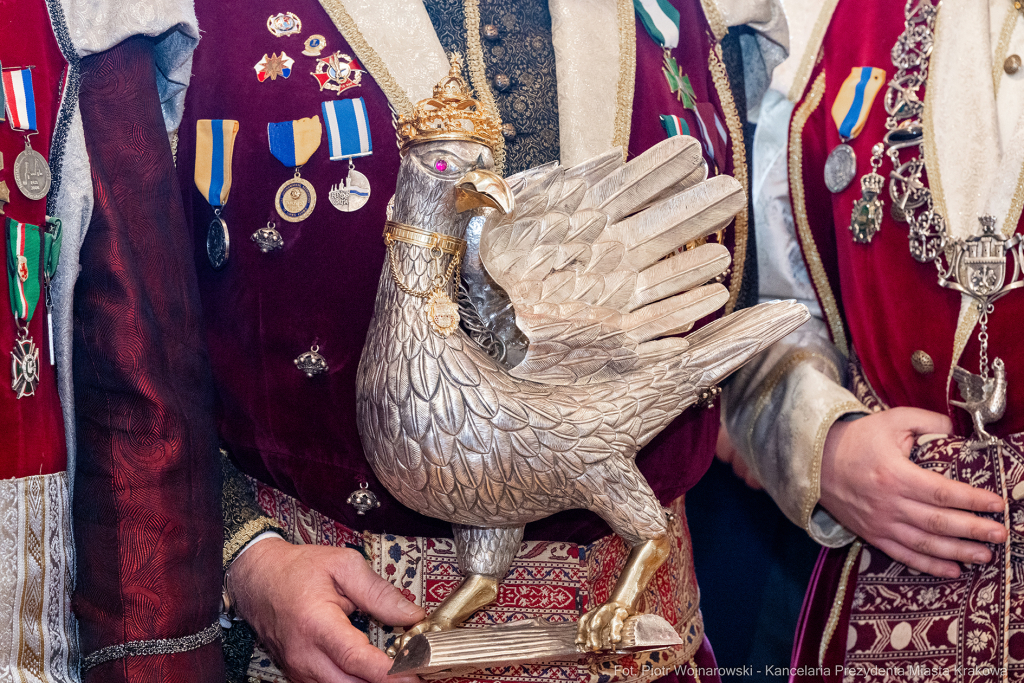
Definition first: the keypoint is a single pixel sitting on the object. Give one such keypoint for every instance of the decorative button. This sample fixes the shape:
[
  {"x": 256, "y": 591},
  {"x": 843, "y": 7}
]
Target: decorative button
[
  {"x": 508, "y": 131},
  {"x": 1012, "y": 64},
  {"x": 311, "y": 363},
  {"x": 502, "y": 82},
  {"x": 491, "y": 33},
  {"x": 922, "y": 362},
  {"x": 363, "y": 499}
]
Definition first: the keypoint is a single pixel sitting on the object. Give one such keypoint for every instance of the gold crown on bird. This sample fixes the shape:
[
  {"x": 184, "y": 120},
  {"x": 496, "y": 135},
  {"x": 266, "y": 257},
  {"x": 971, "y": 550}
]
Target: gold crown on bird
[{"x": 451, "y": 114}]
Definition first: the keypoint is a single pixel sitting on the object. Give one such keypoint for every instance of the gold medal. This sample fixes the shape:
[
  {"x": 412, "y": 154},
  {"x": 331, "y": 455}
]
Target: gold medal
[
  {"x": 442, "y": 313},
  {"x": 295, "y": 199}
]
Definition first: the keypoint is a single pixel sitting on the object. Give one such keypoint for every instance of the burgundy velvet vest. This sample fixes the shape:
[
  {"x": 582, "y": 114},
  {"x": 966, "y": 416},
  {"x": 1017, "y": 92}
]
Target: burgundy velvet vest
[
  {"x": 879, "y": 301},
  {"x": 31, "y": 428}
]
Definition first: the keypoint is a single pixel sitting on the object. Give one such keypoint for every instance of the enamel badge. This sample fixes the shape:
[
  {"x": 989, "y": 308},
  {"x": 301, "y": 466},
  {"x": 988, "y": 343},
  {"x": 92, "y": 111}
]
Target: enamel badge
[
  {"x": 273, "y": 66},
  {"x": 314, "y": 45},
  {"x": 337, "y": 72},
  {"x": 284, "y": 24}
]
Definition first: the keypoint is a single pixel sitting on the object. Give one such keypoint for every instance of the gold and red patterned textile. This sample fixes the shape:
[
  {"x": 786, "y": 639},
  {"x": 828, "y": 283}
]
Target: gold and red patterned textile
[{"x": 555, "y": 580}]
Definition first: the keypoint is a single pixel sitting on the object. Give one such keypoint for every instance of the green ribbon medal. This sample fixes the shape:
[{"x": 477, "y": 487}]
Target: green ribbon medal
[{"x": 32, "y": 257}]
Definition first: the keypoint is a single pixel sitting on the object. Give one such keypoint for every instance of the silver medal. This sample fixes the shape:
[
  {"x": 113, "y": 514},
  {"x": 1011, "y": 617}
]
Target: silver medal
[
  {"x": 218, "y": 243},
  {"x": 32, "y": 174},
  {"x": 840, "y": 168},
  {"x": 351, "y": 195}
]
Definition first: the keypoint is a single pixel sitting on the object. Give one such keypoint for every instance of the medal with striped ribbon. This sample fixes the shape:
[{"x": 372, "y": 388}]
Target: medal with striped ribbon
[
  {"x": 32, "y": 255},
  {"x": 850, "y": 113},
  {"x": 31, "y": 172},
  {"x": 215, "y": 145},
  {"x": 293, "y": 143},
  {"x": 348, "y": 137}
]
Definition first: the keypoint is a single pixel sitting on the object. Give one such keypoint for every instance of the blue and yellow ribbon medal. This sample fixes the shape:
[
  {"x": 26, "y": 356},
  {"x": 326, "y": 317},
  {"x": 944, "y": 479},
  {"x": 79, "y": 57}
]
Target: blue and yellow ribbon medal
[
  {"x": 348, "y": 137},
  {"x": 850, "y": 112},
  {"x": 293, "y": 143},
  {"x": 215, "y": 144}
]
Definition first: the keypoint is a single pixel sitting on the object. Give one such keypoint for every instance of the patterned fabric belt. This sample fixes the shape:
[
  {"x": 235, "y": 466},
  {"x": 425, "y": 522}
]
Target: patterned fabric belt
[
  {"x": 555, "y": 580},
  {"x": 905, "y": 625}
]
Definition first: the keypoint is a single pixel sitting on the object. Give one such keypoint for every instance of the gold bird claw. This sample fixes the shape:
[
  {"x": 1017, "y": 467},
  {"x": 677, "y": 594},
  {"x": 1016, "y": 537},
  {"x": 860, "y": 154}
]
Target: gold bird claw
[
  {"x": 600, "y": 629},
  {"x": 425, "y": 626}
]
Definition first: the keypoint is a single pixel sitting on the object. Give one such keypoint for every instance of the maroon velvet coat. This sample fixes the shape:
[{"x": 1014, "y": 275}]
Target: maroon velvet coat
[
  {"x": 879, "y": 301},
  {"x": 263, "y": 310},
  {"x": 148, "y": 529}
]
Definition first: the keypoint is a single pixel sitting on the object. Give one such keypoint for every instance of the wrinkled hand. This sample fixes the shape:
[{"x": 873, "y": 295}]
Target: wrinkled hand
[
  {"x": 915, "y": 516},
  {"x": 727, "y": 453},
  {"x": 298, "y": 598}
]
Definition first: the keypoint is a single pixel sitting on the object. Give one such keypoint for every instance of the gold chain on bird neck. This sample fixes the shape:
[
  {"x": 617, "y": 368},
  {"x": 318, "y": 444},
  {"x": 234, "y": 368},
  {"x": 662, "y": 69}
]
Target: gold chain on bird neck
[{"x": 442, "y": 313}]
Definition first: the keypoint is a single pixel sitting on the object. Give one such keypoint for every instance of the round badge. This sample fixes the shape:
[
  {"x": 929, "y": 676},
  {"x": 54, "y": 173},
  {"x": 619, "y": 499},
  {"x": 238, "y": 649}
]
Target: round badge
[
  {"x": 32, "y": 174},
  {"x": 218, "y": 243},
  {"x": 351, "y": 195},
  {"x": 284, "y": 24},
  {"x": 295, "y": 200},
  {"x": 840, "y": 168}
]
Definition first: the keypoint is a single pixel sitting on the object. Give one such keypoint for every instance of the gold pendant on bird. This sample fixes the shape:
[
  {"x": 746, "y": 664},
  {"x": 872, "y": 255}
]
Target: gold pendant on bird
[{"x": 442, "y": 313}]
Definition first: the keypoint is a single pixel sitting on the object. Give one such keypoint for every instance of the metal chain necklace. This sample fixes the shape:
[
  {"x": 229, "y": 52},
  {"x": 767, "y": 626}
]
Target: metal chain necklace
[
  {"x": 975, "y": 266},
  {"x": 441, "y": 312}
]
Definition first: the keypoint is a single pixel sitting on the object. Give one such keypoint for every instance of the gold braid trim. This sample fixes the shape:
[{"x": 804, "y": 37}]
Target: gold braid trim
[
  {"x": 627, "y": 76},
  {"x": 478, "y": 76},
  {"x": 813, "y": 50},
  {"x": 796, "y": 181},
  {"x": 813, "y": 494},
  {"x": 368, "y": 56},
  {"x": 715, "y": 20},
  {"x": 249, "y": 531},
  {"x": 1002, "y": 47},
  {"x": 769, "y": 384},
  {"x": 837, "y": 605},
  {"x": 739, "y": 166}
]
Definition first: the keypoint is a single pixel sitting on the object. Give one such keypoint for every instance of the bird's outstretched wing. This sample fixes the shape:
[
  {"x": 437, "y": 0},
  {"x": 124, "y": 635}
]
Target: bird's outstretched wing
[
  {"x": 582, "y": 258},
  {"x": 972, "y": 387}
]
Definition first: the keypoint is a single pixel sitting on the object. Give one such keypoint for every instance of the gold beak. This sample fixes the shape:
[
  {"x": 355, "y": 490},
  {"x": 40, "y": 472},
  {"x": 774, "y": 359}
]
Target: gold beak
[{"x": 482, "y": 188}]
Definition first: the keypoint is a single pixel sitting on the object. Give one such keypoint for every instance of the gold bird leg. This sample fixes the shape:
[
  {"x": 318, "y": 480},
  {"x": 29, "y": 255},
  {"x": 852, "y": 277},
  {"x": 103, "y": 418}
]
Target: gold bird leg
[
  {"x": 601, "y": 628},
  {"x": 475, "y": 592}
]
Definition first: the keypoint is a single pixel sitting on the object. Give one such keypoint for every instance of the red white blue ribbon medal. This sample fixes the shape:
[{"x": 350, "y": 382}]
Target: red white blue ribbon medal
[
  {"x": 293, "y": 143},
  {"x": 348, "y": 137},
  {"x": 31, "y": 172},
  {"x": 215, "y": 144},
  {"x": 850, "y": 112}
]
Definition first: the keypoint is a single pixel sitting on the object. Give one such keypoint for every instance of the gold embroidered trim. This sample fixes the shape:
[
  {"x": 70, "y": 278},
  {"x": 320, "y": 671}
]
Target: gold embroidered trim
[
  {"x": 796, "y": 181},
  {"x": 249, "y": 531},
  {"x": 768, "y": 385},
  {"x": 812, "y": 53},
  {"x": 739, "y": 166},
  {"x": 32, "y": 561},
  {"x": 715, "y": 20},
  {"x": 837, "y": 605},
  {"x": 478, "y": 75},
  {"x": 368, "y": 56},
  {"x": 627, "y": 76},
  {"x": 814, "y": 491},
  {"x": 1002, "y": 47}
]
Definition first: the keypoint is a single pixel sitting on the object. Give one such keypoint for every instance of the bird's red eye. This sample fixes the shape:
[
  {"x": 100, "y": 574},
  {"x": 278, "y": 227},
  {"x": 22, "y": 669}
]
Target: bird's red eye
[{"x": 440, "y": 165}]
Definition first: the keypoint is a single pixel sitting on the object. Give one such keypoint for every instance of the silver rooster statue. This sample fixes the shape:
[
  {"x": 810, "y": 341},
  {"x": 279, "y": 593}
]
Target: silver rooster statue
[{"x": 579, "y": 252}]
